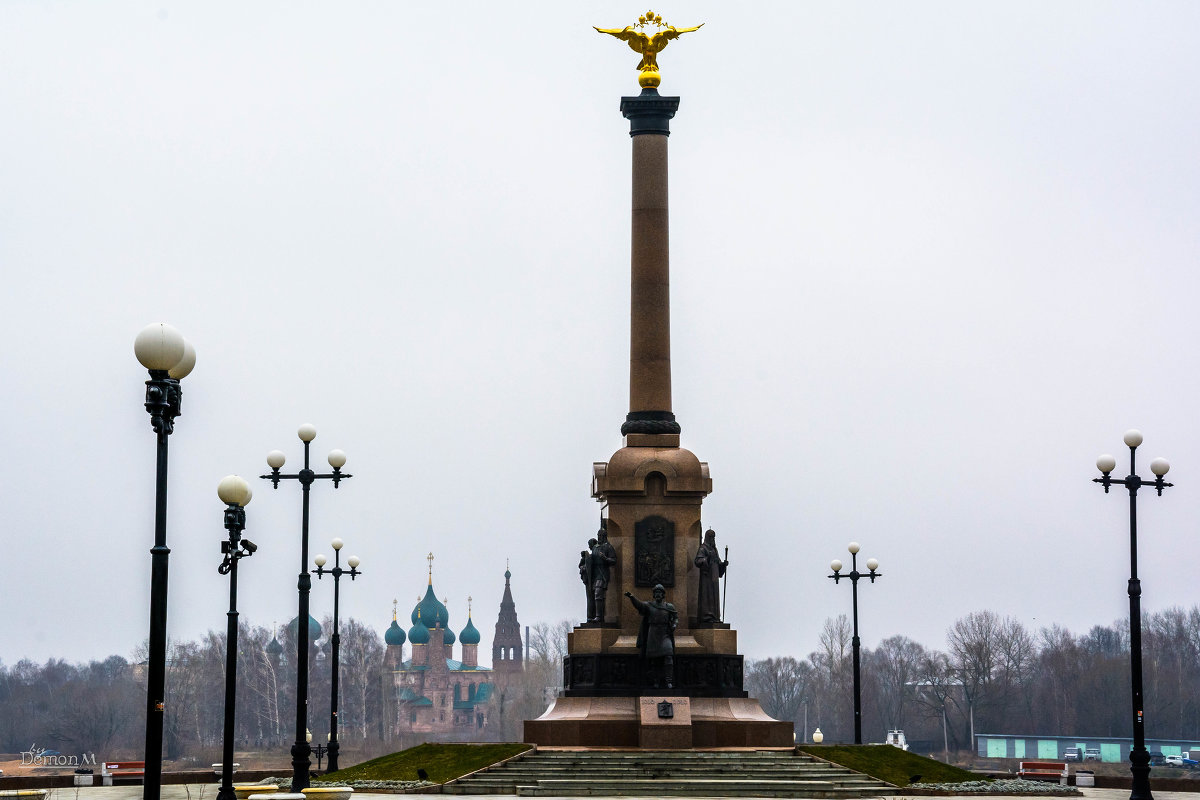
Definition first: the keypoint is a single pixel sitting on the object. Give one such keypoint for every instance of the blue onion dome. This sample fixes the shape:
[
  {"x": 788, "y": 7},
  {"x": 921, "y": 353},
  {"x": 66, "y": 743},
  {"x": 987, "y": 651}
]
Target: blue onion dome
[
  {"x": 394, "y": 634},
  {"x": 418, "y": 633},
  {"x": 431, "y": 610},
  {"x": 448, "y": 637},
  {"x": 469, "y": 634},
  {"x": 314, "y": 628},
  {"x": 274, "y": 648}
]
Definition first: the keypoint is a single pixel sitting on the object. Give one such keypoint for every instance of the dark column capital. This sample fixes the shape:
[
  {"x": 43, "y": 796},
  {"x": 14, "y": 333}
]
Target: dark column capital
[{"x": 649, "y": 112}]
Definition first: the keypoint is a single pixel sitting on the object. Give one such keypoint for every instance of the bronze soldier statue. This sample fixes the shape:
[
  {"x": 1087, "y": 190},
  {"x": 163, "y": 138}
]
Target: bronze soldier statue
[
  {"x": 656, "y": 638},
  {"x": 602, "y": 558},
  {"x": 585, "y": 572},
  {"x": 708, "y": 559}
]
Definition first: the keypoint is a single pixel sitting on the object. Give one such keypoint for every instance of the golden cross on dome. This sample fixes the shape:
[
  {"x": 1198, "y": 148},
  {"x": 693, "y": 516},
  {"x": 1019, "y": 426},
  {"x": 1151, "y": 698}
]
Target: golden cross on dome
[
  {"x": 395, "y": 602},
  {"x": 429, "y": 558},
  {"x": 468, "y": 606}
]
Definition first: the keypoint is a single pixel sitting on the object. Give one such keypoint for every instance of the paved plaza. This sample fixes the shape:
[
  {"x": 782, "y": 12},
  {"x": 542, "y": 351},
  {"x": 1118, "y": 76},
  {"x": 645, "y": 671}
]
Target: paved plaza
[{"x": 208, "y": 791}]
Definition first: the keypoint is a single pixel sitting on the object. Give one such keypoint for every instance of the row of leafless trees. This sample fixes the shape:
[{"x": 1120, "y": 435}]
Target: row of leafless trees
[
  {"x": 100, "y": 708},
  {"x": 995, "y": 676}
]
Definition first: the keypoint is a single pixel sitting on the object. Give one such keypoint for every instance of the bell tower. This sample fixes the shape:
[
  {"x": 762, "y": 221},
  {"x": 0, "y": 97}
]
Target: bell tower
[{"x": 507, "y": 657}]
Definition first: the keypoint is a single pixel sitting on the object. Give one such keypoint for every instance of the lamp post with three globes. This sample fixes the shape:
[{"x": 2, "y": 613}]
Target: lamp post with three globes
[
  {"x": 1139, "y": 756},
  {"x": 337, "y": 572},
  {"x": 163, "y": 351},
  {"x": 235, "y": 493},
  {"x": 854, "y": 575},
  {"x": 306, "y": 476}
]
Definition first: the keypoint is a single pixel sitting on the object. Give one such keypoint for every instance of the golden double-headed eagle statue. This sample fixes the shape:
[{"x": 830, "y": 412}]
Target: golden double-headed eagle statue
[{"x": 648, "y": 46}]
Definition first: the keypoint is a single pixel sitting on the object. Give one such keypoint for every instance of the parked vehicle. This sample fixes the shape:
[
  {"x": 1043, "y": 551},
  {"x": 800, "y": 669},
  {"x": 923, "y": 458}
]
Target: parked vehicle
[
  {"x": 1157, "y": 759},
  {"x": 1181, "y": 761},
  {"x": 1073, "y": 754},
  {"x": 1091, "y": 754}
]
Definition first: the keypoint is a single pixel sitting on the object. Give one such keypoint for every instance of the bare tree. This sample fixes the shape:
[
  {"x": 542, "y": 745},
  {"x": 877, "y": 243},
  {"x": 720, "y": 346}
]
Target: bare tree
[
  {"x": 780, "y": 684},
  {"x": 974, "y": 654},
  {"x": 895, "y": 665}
]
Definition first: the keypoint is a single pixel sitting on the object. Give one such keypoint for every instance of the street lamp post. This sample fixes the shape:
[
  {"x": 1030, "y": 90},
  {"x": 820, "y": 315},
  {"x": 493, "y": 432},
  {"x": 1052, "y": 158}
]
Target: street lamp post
[
  {"x": 335, "y": 639},
  {"x": 235, "y": 493},
  {"x": 854, "y": 575},
  {"x": 306, "y": 477},
  {"x": 1139, "y": 757},
  {"x": 163, "y": 351}
]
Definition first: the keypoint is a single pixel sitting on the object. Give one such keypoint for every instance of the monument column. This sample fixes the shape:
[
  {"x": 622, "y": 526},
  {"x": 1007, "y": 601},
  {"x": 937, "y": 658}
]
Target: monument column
[
  {"x": 617, "y": 691},
  {"x": 650, "y": 411}
]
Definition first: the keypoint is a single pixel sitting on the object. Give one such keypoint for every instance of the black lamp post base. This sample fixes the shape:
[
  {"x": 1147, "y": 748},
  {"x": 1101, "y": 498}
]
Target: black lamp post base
[
  {"x": 226, "y": 793},
  {"x": 300, "y": 765},
  {"x": 1140, "y": 769},
  {"x": 333, "y": 757}
]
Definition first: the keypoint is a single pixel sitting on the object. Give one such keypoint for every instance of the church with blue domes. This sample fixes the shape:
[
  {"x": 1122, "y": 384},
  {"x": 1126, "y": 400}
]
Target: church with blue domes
[{"x": 431, "y": 691}]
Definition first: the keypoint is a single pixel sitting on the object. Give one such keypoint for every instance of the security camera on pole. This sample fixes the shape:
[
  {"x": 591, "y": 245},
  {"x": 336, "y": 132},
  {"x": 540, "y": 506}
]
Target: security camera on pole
[
  {"x": 169, "y": 358},
  {"x": 235, "y": 493}
]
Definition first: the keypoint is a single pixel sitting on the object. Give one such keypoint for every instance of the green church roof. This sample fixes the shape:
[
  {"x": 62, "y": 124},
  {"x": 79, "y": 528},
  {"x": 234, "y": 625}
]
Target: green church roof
[
  {"x": 430, "y": 610},
  {"x": 394, "y": 635},
  {"x": 418, "y": 633},
  {"x": 314, "y": 628},
  {"x": 469, "y": 635}
]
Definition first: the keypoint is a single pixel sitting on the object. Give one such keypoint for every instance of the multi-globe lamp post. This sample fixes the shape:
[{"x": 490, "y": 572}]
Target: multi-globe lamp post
[
  {"x": 1139, "y": 756},
  {"x": 163, "y": 351},
  {"x": 235, "y": 493},
  {"x": 872, "y": 566},
  {"x": 306, "y": 477},
  {"x": 335, "y": 640}
]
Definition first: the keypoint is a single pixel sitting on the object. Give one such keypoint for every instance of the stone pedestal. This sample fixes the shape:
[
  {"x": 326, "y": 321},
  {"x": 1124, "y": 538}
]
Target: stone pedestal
[
  {"x": 665, "y": 723},
  {"x": 618, "y": 722}
]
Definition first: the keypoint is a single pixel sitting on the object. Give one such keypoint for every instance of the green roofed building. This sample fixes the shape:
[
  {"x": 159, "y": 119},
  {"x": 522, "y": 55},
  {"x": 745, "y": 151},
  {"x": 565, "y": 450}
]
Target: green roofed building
[{"x": 431, "y": 692}]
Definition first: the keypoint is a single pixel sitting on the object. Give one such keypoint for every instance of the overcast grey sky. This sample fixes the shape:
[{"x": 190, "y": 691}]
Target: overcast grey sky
[{"x": 928, "y": 261}]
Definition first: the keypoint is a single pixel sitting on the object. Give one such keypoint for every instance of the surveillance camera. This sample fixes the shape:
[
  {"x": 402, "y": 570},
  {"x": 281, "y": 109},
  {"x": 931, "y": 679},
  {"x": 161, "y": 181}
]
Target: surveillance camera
[{"x": 250, "y": 546}]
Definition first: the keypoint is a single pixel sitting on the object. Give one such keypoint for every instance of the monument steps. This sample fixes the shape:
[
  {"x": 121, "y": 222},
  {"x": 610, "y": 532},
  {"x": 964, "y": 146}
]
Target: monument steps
[{"x": 664, "y": 773}]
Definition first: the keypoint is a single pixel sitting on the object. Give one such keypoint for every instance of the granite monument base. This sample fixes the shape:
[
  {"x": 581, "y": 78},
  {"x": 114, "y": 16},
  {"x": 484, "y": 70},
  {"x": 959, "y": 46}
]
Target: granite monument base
[
  {"x": 629, "y": 675},
  {"x": 619, "y": 722},
  {"x": 665, "y": 723}
]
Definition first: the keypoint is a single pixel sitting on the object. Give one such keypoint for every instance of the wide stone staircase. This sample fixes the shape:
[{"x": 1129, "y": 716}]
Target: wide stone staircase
[{"x": 690, "y": 773}]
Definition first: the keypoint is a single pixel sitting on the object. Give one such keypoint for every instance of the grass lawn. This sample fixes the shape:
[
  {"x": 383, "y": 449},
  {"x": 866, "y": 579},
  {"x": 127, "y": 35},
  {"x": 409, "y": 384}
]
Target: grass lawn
[
  {"x": 890, "y": 764},
  {"x": 442, "y": 762}
]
